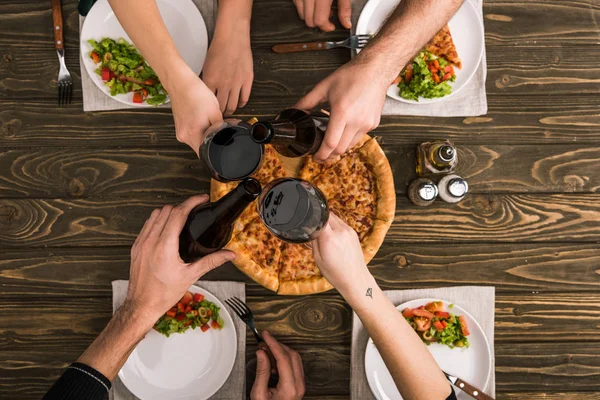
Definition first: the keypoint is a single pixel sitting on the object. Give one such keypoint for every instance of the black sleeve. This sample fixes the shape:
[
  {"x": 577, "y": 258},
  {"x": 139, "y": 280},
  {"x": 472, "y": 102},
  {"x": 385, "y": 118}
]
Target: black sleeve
[
  {"x": 79, "y": 382},
  {"x": 452, "y": 394}
]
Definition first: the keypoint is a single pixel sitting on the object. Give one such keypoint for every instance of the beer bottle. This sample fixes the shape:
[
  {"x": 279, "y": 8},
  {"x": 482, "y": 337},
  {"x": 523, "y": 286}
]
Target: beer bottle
[
  {"x": 437, "y": 157},
  {"x": 209, "y": 225},
  {"x": 293, "y": 133}
]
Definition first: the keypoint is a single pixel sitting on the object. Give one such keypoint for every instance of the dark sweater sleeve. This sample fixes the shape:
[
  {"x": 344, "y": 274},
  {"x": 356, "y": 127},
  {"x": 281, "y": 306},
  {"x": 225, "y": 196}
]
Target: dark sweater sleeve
[{"x": 79, "y": 382}]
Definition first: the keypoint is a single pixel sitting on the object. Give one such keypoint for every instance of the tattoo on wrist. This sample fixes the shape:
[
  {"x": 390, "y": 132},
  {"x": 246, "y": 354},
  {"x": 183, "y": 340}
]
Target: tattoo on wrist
[{"x": 370, "y": 293}]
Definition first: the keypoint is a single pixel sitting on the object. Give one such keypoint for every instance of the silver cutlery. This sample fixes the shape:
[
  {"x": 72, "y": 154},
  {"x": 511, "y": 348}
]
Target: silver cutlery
[
  {"x": 245, "y": 313},
  {"x": 468, "y": 388},
  {"x": 64, "y": 83},
  {"x": 353, "y": 42}
]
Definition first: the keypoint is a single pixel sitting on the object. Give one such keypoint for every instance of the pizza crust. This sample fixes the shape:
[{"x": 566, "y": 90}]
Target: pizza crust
[
  {"x": 304, "y": 286},
  {"x": 380, "y": 167},
  {"x": 249, "y": 267},
  {"x": 373, "y": 241}
]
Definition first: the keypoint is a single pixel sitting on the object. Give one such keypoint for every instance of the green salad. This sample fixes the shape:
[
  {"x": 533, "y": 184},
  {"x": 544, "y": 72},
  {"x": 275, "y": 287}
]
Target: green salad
[
  {"x": 434, "y": 325},
  {"x": 124, "y": 70},
  {"x": 191, "y": 312},
  {"x": 428, "y": 76}
]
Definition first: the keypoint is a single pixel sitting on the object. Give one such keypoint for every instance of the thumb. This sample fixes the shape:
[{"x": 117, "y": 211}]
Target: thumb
[
  {"x": 345, "y": 13},
  {"x": 263, "y": 373},
  {"x": 212, "y": 261},
  {"x": 313, "y": 98}
]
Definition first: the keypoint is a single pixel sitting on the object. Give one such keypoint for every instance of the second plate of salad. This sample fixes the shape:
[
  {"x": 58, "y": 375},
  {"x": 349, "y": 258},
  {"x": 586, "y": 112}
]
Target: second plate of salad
[
  {"x": 454, "y": 338},
  {"x": 115, "y": 66},
  {"x": 189, "y": 353}
]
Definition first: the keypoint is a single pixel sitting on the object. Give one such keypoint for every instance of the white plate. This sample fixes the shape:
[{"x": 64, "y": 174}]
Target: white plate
[
  {"x": 190, "y": 365},
  {"x": 182, "y": 19},
  {"x": 467, "y": 33},
  {"x": 473, "y": 364}
]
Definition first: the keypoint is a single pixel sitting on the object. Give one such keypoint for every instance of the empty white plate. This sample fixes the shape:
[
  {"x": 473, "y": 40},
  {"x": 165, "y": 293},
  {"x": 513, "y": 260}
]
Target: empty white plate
[
  {"x": 190, "y": 365},
  {"x": 473, "y": 365},
  {"x": 466, "y": 30},
  {"x": 182, "y": 19}
]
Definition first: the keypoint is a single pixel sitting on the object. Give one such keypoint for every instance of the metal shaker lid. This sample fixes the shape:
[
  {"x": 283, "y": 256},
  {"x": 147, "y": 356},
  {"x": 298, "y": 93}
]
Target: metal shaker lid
[
  {"x": 457, "y": 187},
  {"x": 427, "y": 191}
]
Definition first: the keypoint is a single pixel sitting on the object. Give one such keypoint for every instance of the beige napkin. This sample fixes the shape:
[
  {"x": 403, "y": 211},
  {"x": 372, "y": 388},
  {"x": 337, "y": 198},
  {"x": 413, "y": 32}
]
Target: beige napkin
[
  {"x": 235, "y": 386},
  {"x": 470, "y": 101},
  {"x": 95, "y": 99},
  {"x": 477, "y": 300}
]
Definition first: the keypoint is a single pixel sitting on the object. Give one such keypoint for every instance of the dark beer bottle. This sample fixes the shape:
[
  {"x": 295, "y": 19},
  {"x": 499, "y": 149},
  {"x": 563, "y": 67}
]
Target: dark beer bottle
[
  {"x": 293, "y": 132},
  {"x": 209, "y": 225}
]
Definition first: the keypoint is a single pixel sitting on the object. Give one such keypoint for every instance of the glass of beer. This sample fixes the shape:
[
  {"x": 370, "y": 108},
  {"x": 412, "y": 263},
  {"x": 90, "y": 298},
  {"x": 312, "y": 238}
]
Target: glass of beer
[{"x": 293, "y": 210}]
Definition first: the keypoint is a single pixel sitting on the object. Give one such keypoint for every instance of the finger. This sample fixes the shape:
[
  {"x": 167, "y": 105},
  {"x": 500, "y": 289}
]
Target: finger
[
  {"x": 298, "y": 369},
  {"x": 322, "y": 13},
  {"x": 345, "y": 13},
  {"x": 300, "y": 8},
  {"x": 332, "y": 137},
  {"x": 146, "y": 228},
  {"x": 335, "y": 222},
  {"x": 222, "y": 96},
  {"x": 313, "y": 98},
  {"x": 160, "y": 222},
  {"x": 210, "y": 262},
  {"x": 356, "y": 139},
  {"x": 284, "y": 364},
  {"x": 263, "y": 373},
  {"x": 179, "y": 216},
  {"x": 309, "y": 13},
  {"x": 232, "y": 102},
  {"x": 245, "y": 94},
  {"x": 347, "y": 138}
]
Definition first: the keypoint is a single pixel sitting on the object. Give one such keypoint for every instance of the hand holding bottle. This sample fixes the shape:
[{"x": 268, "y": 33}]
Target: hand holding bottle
[{"x": 158, "y": 277}]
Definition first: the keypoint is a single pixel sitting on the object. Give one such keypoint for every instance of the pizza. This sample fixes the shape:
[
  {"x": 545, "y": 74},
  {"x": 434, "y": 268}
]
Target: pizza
[
  {"x": 359, "y": 188},
  {"x": 443, "y": 46}
]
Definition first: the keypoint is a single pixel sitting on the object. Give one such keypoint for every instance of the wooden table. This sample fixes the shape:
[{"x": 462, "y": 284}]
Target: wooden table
[{"x": 75, "y": 189}]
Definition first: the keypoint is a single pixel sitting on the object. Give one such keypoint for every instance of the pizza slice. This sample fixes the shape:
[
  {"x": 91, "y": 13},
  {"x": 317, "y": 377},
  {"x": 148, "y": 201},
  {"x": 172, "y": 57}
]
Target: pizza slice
[
  {"x": 258, "y": 254},
  {"x": 311, "y": 168},
  {"x": 443, "y": 46},
  {"x": 371, "y": 232},
  {"x": 299, "y": 273},
  {"x": 361, "y": 183}
]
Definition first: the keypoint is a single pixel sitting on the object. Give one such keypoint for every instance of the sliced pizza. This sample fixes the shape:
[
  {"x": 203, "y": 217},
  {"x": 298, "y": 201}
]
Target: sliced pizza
[
  {"x": 258, "y": 254},
  {"x": 443, "y": 46},
  {"x": 361, "y": 183},
  {"x": 311, "y": 168},
  {"x": 299, "y": 273}
]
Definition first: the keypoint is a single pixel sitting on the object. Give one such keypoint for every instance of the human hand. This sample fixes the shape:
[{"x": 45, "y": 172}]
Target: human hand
[
  {"x": 356, "y": 94},
  {"x": 228, "y": 70},
  {"x": 290, "y": 370},
  {"x": 339, "y": 255},
  {"x": 317, "y": 13},
  {"x": 195, "y": 107},
  {"x": 158, "y": 277}
]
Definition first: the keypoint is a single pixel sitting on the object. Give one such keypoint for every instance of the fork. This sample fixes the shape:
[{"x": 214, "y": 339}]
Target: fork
[
  {"x": 353, "y": 42},
  {"x": 245, "y": 313},
  {"x": 64, "y": 83}
]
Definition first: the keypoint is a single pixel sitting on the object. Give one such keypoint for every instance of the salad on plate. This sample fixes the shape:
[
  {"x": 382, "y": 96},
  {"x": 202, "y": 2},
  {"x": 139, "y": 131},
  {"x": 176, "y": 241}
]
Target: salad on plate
[
  {"x": 190, "y": 312},
  {"x": 435, "y": 325},
  {"x": 427, "y": 76},
  {"x": 124, "y": 70}
]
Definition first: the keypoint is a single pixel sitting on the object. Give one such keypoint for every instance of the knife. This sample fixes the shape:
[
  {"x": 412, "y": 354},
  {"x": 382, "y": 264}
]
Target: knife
[{"x": 468, "y": 388}]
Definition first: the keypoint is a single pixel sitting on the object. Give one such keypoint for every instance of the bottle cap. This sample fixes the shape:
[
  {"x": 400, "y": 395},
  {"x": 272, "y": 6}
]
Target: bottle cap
[
  {"x": 458, "y": 187},
  {"x": 427, "y": 191},
  {"x": 447, "y": 153}
]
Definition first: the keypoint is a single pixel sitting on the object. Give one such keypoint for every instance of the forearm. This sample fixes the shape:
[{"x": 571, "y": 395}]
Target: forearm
[
  {"x": 412, "y": 367},
  {"x": 112, "y": 347},
  {"x": 234, "y": 15},
  {"x": 409, "y": 28},
  {"x": 143, "y": 23}
]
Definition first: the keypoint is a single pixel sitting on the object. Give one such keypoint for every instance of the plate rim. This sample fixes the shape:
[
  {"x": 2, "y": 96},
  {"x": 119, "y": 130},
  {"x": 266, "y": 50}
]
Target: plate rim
[
  {"x": 372, "y": 7},
  {"x": 83, "y": 52},
  {"x": 446, "y": 302},
  {"x": 235, "y": 348}
]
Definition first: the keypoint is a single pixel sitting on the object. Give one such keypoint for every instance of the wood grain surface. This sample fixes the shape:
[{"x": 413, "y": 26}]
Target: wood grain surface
[{"x": 76, "y": 187}]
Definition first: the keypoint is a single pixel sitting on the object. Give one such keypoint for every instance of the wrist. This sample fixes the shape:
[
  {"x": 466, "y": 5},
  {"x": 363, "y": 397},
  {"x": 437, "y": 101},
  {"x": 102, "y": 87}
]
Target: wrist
[
  {"x": 176, "y": 76},
  {"x": 134, "y": 313},
  {"x": 355, "y": 291},
  {"x": 383, "y": 66},
  {"x": 233, "y": 21}
]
